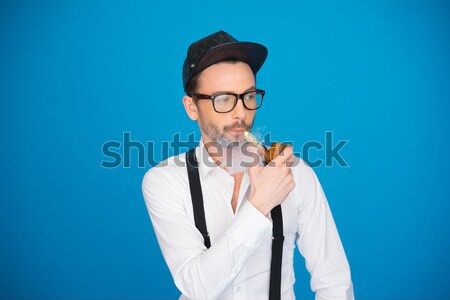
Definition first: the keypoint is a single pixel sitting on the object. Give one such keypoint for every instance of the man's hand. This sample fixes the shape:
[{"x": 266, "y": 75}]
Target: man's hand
[{"x": 271, "y": 184}]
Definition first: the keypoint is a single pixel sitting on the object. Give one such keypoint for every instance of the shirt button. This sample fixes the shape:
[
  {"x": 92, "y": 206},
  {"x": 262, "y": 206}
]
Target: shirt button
[{"x": 239, "y": 289}]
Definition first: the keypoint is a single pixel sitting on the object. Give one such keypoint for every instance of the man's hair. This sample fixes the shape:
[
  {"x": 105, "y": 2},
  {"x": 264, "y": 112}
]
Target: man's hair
[{"x": 193, "y": 84}]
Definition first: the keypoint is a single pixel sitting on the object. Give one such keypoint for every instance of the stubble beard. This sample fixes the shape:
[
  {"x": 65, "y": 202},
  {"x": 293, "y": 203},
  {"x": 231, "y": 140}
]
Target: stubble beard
[
  {"x": 230, "y": 152},
  {"x": 218, "y": 136}
]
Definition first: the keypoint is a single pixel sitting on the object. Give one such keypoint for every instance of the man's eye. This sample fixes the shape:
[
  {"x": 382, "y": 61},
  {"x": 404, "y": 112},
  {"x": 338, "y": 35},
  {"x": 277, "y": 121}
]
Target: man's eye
[
  {"x": 222, "y": 99},
  {"x": 250, "y": 96}
]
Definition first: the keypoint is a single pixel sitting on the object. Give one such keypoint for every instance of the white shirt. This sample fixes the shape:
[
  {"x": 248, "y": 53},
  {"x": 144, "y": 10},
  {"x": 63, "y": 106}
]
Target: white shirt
[{"x": 237, "y": 265}]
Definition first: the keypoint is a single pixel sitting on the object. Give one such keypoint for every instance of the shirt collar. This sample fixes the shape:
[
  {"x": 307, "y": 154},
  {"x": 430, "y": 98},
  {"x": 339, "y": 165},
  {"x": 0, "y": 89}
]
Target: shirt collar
[{"x": 205, "y": 162}]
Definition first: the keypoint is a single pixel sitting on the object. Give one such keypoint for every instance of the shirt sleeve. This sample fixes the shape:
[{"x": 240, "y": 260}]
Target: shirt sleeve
[
  {"x": 319, "y": 243},
  {"x": 198, "y": 272}
]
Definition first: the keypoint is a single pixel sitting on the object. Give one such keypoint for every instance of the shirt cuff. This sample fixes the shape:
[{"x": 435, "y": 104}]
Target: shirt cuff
[{"x": 250, "y": 227}]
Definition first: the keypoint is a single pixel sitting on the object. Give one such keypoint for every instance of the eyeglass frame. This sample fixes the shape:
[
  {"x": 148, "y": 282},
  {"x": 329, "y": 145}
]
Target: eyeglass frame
[{"x": 237, "y": 96}]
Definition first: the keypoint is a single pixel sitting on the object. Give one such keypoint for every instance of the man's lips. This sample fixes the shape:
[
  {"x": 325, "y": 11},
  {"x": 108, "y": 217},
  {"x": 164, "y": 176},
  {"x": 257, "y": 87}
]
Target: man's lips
[{"x": 236, "y": 130}]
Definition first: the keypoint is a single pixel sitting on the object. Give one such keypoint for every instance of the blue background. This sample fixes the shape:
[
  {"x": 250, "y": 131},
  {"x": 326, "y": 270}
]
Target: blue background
[{"x": 76, "y": 74}]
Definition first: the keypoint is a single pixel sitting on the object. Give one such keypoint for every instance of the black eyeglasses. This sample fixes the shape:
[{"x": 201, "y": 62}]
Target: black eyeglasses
[{"x": 226, "y": 102}]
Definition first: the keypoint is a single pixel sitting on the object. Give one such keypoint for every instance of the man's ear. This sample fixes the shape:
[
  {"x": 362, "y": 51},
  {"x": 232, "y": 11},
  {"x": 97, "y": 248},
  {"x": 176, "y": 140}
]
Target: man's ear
[{"x": 190, "y": 107}]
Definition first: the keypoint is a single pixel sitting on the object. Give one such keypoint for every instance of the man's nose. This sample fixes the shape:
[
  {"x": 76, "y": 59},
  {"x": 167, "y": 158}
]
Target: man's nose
[{"x": 239, "y": 110}]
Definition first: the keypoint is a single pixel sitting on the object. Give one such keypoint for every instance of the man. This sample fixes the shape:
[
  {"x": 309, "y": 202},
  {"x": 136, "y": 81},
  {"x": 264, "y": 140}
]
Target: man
[{"x": 231, "y": 235}]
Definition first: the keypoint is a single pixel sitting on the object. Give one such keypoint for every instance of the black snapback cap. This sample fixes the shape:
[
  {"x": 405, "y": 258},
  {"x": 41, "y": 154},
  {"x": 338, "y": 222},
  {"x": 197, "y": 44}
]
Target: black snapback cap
[{"x": 217, "y": 47}]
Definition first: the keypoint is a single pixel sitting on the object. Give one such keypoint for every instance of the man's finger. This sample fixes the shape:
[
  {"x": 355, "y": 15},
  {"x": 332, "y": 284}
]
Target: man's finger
[
  {"x": 290, "y": 161},
  {"x": 283, "y": 156}
]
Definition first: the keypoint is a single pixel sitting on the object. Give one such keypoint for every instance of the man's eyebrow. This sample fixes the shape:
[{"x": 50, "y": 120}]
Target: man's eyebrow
[{"x": 250, "y": 88}]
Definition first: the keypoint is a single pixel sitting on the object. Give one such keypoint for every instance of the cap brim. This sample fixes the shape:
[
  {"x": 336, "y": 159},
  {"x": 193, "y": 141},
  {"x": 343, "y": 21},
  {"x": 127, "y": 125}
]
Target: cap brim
[{"x": 253, "y": 54}]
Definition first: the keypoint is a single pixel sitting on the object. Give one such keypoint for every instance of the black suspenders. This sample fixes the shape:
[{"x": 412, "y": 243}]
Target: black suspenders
[
  {"x": 200, "y": 223},
  {"x": 277, "y": 253},
  {"x": 197, "y": 196}
]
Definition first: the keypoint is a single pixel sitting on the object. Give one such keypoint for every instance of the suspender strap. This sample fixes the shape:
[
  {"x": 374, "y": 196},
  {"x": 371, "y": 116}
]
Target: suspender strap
[
  {"x": 277, "y": 253},
  {"x": 196, "y": 195}
]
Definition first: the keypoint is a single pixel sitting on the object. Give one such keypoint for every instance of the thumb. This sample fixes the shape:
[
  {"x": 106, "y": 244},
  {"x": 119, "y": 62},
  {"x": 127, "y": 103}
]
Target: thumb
[
  {"x": 254, "y": 159},
  {"x": 253, "y": 155},
  {"x": 253, "y": 173}
]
